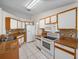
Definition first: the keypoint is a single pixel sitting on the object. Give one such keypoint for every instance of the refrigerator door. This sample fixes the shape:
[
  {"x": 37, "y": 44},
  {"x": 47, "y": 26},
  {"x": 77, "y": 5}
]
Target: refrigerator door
[{"x": 30, "y": 33}]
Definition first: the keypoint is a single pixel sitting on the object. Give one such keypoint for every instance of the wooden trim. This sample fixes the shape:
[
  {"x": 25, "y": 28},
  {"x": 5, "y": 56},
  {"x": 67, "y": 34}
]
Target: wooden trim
[
  {"x": 59, "y": 13},
  {"x": 67, "y": 10},
  {"x": 65, "y": 50},
  {"x": 57, "y": 21},
  {"x": 65, "y": 28},
  {"x": 48, "y": 16},
  {"x": 75, "y": 54},
  {"x": 22, "y": 21},
  {"x": 76, "y": 19}
]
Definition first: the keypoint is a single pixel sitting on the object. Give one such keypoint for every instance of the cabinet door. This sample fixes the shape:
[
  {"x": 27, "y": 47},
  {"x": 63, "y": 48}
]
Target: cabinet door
[
  {"x": 54, "y": 19},
  {"x": 42, "y": 23},
  {"x": 67, "y": 20},
  {"x": 13, "y": 24},
  {"x": 19, "y": 24},
  {"x": 23, "y": 25},
  {"x": 47, "y": 21},
  {"x": 59, "y": 54}
]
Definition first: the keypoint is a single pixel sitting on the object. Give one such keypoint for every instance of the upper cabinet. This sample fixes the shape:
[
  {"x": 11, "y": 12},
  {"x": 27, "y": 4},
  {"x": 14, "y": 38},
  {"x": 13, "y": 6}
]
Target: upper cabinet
[
  {"x": 13, "y": 24},
  {"x": 42, "y": 23},
  {"x": 47, "y": 20},
  {"x": 67, "y": 19},
  {"x": 53, "y": 19},
  {"x": 23, "y": 25},
  {"x": 7, "y": 24},
  {"x": 19, "y": 24}
]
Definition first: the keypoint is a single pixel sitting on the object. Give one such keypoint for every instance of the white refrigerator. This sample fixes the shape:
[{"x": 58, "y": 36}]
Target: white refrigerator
[{"x": 30, "y": 33}]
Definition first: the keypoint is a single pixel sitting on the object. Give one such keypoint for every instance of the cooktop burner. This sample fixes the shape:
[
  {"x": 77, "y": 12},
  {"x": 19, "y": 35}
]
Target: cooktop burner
[{"x": 51, "y": 38}]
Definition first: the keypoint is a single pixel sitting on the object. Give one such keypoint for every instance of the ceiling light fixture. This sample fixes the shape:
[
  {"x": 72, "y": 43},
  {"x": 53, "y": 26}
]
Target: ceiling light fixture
[{"x": 32, "y": 4}]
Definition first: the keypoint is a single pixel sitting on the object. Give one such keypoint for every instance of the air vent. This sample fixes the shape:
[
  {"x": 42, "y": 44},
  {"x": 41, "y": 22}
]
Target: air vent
[{"x": 28, "y": 9}]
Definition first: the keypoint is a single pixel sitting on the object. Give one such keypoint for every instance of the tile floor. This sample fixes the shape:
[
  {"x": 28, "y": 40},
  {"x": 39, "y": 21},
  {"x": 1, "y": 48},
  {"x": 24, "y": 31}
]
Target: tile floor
[{"x": 29, "y": 51}]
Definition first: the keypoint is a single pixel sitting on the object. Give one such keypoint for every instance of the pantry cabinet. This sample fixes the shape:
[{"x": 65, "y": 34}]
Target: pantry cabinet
[
  {"x": 67, "y": 19},
  {"x": 42, "y": 23}
]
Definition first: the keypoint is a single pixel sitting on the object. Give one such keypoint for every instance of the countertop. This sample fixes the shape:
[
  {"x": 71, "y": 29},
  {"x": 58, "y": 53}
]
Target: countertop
[{"x": 70, "y": 42}]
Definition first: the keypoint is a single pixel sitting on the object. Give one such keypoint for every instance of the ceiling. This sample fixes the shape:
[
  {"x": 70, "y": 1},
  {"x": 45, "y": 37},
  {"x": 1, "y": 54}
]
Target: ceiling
[{"x": 17, "y": 7}]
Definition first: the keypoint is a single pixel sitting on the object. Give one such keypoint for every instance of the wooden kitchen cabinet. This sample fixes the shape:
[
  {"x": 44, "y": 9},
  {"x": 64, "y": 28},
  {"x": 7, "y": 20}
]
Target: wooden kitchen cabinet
[
  {"x": 67, "y": 19},
  {"x": 42, "y": 23},
  {"x": 10, "y": 50},
  {"x": 7, "y": 24}
]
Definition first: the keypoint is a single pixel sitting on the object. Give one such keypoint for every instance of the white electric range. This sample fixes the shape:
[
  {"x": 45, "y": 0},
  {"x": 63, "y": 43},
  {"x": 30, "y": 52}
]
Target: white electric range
[{"x": 47, "y": 46}]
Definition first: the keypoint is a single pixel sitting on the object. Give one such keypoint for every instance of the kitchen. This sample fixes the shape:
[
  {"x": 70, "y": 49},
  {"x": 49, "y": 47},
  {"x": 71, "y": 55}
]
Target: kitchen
[{"x": 38, "y": 32}]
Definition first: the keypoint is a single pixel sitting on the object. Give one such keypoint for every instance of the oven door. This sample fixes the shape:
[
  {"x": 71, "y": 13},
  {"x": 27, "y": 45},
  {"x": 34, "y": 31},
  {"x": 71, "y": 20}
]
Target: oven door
[
  {"x": 47, "y": 49},
  {"x": 46, "y": 45}
]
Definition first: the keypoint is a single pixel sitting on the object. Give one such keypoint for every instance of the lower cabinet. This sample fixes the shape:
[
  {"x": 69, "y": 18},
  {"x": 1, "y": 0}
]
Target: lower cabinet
[
  {"x": 59, "y": 54},
  {"x": 20, "y": 39},
  {"x": 9, "y": 50},
  {"x": 38, "y": 43}
]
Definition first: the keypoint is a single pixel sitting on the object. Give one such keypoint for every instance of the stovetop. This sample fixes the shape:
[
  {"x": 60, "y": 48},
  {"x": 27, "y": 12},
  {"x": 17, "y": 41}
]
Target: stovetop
[{"x": 50, "y": 38}]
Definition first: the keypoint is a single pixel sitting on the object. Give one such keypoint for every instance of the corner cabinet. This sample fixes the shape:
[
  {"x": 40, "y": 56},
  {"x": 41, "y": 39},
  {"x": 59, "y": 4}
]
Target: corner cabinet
[{"x": 67, "y": 19}]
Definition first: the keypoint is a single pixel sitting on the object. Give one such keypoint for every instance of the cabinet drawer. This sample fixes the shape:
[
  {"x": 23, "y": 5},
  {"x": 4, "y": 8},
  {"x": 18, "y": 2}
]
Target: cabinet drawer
[{"x": 65, "y": 47}]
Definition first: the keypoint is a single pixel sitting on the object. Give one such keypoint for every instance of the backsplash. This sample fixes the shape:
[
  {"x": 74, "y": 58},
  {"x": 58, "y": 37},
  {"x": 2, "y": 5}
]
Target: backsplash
[
  {"x": 72, "y": 33},
  {"x": 53, "y": 34}
]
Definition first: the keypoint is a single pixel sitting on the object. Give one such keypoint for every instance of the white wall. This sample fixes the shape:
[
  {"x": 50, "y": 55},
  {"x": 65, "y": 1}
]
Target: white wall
[
  {"x": 1, "y": 21},
  {"x": 55, "y": 11},
  {"x": 5, "y": 14}
]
